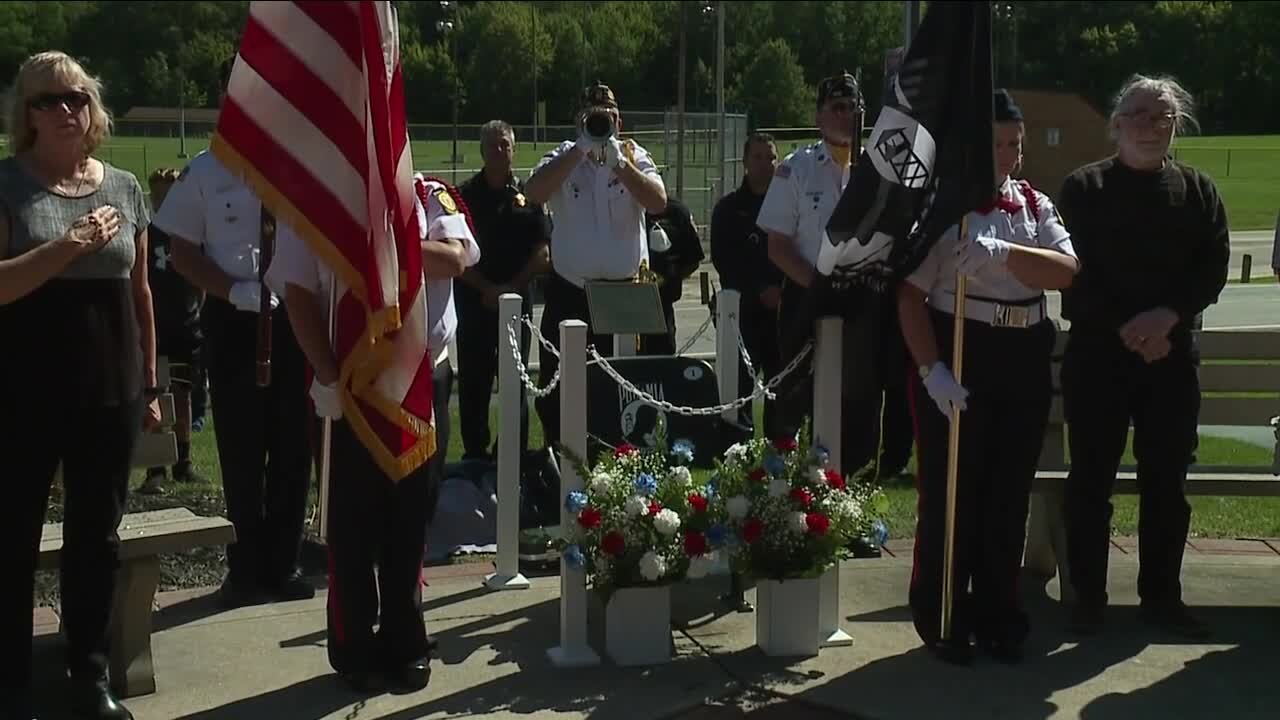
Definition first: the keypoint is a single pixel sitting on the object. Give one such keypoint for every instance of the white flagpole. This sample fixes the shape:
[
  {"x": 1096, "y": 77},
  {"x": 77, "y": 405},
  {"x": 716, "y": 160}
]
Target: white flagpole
[{"x": 327, "y": 430}]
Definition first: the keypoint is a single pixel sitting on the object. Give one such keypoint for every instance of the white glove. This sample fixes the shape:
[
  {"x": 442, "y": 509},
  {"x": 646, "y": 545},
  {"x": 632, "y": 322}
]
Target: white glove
[
  {"x": 983, "y": 251},
  {"x": 658, "y": 240},
  {"x": 944, "y": 389},
  {"x": 327, "y": 402},
  {"x": 613, "y": 154},
  {"x": 247, "y": 296}
]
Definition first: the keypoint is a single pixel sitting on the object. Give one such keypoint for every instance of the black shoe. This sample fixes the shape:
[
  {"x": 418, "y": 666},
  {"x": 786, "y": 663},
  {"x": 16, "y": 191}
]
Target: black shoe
[
  {"x": 188, "y": 475},
  {"x": 94, "y": 701},
  {"x": 1005, "y": 651},
  {"x": 952, "y": 653},
  {"x": 411, "y": 676},
  {"x": 154, "y": 482},
  {"x": 1085, "y": 620},
  {"x": 432, "y": 645},
  {"x": 1175, "y": 619},
  {"x": 865, "y": 547},
  {"x": 235, "y": 594},
  {"x": 292, "y": 587}
]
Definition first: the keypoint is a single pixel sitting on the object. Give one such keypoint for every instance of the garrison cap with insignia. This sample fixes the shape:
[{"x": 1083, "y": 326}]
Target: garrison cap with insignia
[
  {"x": 839, "y": 86},
  {"x": 599, "y": 95},
  {"x": 1005, "y": 109}
]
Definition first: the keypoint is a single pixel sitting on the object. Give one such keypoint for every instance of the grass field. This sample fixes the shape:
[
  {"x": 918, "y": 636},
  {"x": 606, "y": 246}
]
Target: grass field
[{"x": 1246, "y": 169}]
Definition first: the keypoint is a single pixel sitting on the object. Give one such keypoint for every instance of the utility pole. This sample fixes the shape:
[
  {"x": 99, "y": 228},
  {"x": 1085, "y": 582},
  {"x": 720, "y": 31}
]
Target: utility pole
[
  {"x": 533, "y": 48},
  {"x": 720, "y": 90},
  {"x": 680, "y": 91},
  {"x": 910, "y": 21},
  {"x": 446, "y": 26}
]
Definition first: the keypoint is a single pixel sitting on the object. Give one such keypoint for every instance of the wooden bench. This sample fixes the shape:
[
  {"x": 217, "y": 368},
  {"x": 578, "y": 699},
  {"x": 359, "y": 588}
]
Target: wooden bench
[
  {"x": 143, "y": 538},
  {"x": 1240, "y": 386}
]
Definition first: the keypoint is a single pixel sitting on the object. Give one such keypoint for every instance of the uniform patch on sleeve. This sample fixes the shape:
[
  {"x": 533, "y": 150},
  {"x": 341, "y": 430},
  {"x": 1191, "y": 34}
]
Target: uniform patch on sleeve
[
  {"x": 446, "y": 201},
  {"x": 783, "y": 171}
]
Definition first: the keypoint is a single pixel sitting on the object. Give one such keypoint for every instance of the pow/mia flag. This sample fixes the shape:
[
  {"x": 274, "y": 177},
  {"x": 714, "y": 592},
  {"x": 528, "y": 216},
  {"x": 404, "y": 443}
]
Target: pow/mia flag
[{"x": 929, "y": 159}]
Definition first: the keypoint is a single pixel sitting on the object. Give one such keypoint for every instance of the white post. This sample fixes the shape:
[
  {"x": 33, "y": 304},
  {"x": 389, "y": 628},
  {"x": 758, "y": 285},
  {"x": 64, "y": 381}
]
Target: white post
[
  {"x": 573, "y": 650},
  {"x": 508, "y": 575},
  {"x": 727, "y": 363},
  {"x": 624, "y": 345},
  {"x": 826, "y": 432}
]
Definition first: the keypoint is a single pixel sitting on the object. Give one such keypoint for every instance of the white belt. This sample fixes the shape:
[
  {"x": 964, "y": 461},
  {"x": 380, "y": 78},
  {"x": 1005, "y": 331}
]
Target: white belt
[
  {"x": 442, "y": 357},
  {"x": 993, "y": 313}
]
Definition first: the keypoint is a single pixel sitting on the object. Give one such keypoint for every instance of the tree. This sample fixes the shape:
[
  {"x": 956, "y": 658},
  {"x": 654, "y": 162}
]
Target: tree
[{"x": 773, "y": 90}]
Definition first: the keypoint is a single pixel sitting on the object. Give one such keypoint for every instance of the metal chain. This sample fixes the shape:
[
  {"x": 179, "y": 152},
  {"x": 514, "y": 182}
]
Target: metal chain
[
  {"x": 702, "y": 330},
  {"x": 550, "y": 347},
  {"x": 520, "y": 366},
  {"x": 687, "y": 411}
]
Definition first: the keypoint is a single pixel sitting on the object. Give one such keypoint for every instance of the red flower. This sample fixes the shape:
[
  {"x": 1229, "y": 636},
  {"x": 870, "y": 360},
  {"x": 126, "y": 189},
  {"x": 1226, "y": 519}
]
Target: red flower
[
  {"x": 756, "y": 475},
  {"x": 589, "y": 518},
  {"x": 752, "y": 530},
  {"x": 698, "y": 503},
  {"x": 613, "y": 543},
  {"x": 785, "y": 444},
  {"x": 625, "y": 449},
  {"x": 802, "y": 496},
  {"x": 835, "y": 480},
  {"x": 818, "y": 523},
  {"x": 695, "y": 543},
  {"x": 655, "y": 507}
]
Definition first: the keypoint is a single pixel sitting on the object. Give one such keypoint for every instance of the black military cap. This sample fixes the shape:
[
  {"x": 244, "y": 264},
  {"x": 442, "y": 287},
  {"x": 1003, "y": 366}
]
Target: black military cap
[
  {"x": 1006, "y": 110},
  {"x": 598, "y": 95},
  {"x": 843, "y": 85}
]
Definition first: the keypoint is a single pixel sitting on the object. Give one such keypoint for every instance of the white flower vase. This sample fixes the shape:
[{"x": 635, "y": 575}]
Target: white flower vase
[
  {"x": 787, "y": 617},
  {"x": 638, "y": 626}
]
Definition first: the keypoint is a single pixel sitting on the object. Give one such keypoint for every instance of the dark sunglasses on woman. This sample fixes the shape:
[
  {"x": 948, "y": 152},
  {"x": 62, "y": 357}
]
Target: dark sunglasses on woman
[{"x": 75, "y": 100}]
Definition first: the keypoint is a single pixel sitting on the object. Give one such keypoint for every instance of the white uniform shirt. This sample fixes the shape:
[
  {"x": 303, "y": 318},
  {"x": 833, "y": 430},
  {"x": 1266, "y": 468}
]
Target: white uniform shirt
[
  {"x": 801, "y": 197},
  {"x": 937, "y": 273},
  {"x": 212, "y": 208},
  {"x": 598, "y": 229},
  {"x": 295, "y": 263}
]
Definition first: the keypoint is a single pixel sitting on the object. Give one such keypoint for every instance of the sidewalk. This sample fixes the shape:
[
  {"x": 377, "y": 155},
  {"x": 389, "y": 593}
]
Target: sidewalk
[{"x": 270, "y": 661}]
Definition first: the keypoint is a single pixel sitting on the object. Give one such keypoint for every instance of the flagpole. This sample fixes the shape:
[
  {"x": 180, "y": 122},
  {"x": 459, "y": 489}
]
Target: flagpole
[
  {"x": 326, "y": 432},
  {"x": 953, "y": 447}
]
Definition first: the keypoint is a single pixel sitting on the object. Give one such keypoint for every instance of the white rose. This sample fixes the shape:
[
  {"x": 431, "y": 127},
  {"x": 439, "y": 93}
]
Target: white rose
[
  {"x": 600, "y": 483},
  {"x": 736, "y": 453},
  {"x": 666, "y": 522},
  {"x": 680, "y": 476},
  {"x": 738, "y": 507},
  {"x": 798, "y": 523},
  {"x": 636, "y": 506},
  {"x": 778, "y": 487},
  {"x": 652, "y": 566}
]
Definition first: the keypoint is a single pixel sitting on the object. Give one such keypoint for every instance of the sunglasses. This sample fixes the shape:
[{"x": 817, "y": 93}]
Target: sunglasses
[{"x": 74, "y": 100}]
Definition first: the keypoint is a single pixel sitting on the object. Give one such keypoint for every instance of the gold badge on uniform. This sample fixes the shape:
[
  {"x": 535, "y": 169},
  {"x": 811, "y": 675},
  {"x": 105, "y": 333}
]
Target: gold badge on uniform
[
  {"x": 446, "y": 201},
  {"x": 519, "y": 199}
]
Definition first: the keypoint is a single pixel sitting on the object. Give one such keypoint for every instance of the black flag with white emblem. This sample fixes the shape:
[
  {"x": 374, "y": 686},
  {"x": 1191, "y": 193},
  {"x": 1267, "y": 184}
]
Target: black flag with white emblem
[{"x": 930, "y": 158}]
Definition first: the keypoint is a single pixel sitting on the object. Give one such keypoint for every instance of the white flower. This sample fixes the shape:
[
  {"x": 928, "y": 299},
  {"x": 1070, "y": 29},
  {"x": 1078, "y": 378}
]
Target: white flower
[
  {"x": 652, "y": 566},
  {"x": 738, "y": 507},
  {"x": 666, "y": 522},
  {"x": 778, "y": 487},
  {"x": 636, "y": 506},
  {"x": 820, "y": 476},
  {"x": 736, "y": 453},
  {"x": 680, "y": 476},
  {"x": 600, "y": 483},
  {"x": 700, "y": 565},
  {"x": 798, "y": 523}
]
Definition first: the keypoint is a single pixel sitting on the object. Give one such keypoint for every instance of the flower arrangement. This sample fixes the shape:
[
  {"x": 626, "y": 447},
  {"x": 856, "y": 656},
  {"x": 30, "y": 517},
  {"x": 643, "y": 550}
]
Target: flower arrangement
[
  {"x": 641, "y": 520},
  {"x": 791, "y": 515}
]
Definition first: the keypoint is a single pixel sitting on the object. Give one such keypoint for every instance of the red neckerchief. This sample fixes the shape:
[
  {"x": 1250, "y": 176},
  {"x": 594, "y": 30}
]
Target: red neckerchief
[{"x": 1011, "y": 206}]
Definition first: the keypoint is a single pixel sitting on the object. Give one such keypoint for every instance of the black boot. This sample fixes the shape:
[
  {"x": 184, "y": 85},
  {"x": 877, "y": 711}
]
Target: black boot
[{"x": 92, "y": 700}]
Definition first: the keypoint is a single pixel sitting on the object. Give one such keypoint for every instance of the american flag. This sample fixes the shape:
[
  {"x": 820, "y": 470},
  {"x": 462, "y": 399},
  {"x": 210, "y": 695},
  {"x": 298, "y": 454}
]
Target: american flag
[{"x": 314, "y": 122}]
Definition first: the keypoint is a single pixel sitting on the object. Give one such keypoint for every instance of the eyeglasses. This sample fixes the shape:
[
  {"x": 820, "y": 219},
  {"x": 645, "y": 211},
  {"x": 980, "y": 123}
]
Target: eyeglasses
[
  {"x": 1145, "y": 119},
  {"x": 74, "y": 100},
  {"x": 844, "y": 106}
]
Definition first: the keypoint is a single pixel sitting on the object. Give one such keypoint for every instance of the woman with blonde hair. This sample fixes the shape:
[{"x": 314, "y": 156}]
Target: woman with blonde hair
[
  {"x": 77, "y": 375},
  {"x": 1153, "y": 242}
]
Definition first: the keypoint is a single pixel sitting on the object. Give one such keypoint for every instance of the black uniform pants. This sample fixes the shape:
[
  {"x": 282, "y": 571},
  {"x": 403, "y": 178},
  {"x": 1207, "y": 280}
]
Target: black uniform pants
[
  {"x": 759, "y": 328},
  {"x": 441, "y": 391},
  {"x": 1104, "y": 387},
  {"x": 896, "y": 433},
  {"x": 478, "y": 361},
  {"x": 664, "y": 344},
  {"x": 374, "y": 523},
  {"x": 96, "y": 453},
  {"x": 562, "y": 300},
  {"x": 1007, "y": 374},
  {"x": 860, "y": 385},
  {"x": 263, "y": 441}
]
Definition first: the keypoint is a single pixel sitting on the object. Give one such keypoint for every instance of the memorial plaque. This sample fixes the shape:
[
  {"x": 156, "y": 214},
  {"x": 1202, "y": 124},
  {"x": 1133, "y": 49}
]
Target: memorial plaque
[{"x": 625, "y": 308}]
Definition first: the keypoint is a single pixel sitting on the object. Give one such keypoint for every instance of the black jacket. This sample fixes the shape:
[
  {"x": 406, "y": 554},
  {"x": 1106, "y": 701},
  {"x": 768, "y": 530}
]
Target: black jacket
[
  {"x": 685, "y": 255},
  {"x": 740, "y": 249}
]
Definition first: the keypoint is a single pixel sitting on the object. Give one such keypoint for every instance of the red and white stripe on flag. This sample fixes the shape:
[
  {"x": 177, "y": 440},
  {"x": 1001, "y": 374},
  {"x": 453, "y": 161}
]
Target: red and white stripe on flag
[{"x": 314, "y": 122}]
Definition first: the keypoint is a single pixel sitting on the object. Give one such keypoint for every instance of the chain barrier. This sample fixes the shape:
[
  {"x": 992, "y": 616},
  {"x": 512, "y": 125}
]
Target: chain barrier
[
  {"x": 520, "y": 366},
  {"x": 700, "y": 332}
]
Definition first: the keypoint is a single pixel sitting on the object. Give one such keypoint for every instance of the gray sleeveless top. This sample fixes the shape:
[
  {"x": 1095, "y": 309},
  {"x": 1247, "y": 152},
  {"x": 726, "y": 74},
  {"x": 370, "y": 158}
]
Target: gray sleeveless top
[{"x": 38, "y": 216}]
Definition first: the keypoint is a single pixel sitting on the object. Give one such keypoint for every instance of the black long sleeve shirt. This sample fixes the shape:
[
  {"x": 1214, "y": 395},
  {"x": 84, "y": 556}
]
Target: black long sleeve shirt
[
  {"x": 684, "y": 256},
  {"x": 739, "y": 249},
  {"x": 1145, "y": 240}
]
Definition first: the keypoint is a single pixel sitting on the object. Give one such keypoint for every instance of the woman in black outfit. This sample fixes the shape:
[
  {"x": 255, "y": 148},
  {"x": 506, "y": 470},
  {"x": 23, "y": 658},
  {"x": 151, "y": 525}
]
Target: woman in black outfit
[
  {"x": 77, "y": 372},
  {"x": 1151, "y": 235}
]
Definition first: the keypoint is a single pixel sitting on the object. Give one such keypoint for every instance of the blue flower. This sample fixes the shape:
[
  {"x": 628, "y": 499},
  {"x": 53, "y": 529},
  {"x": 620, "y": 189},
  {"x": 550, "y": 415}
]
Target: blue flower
[
  {"x": 717, "y": 536},
  {"x": 712, "y": 489},
  {"x": 573, "y": 557},
  {"x": 880, "y": 532},
  {"x": 575, "y": 502},
  {"x": 683, "y": 449},
  {"x": 774, "y": 465},
  {"x": 646, "y": 485},
  {"x": 820, "y": 455}
]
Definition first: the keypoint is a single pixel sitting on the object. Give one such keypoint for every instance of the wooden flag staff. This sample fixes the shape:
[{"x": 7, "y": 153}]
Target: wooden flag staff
[{"x": 953, "y": 446}]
